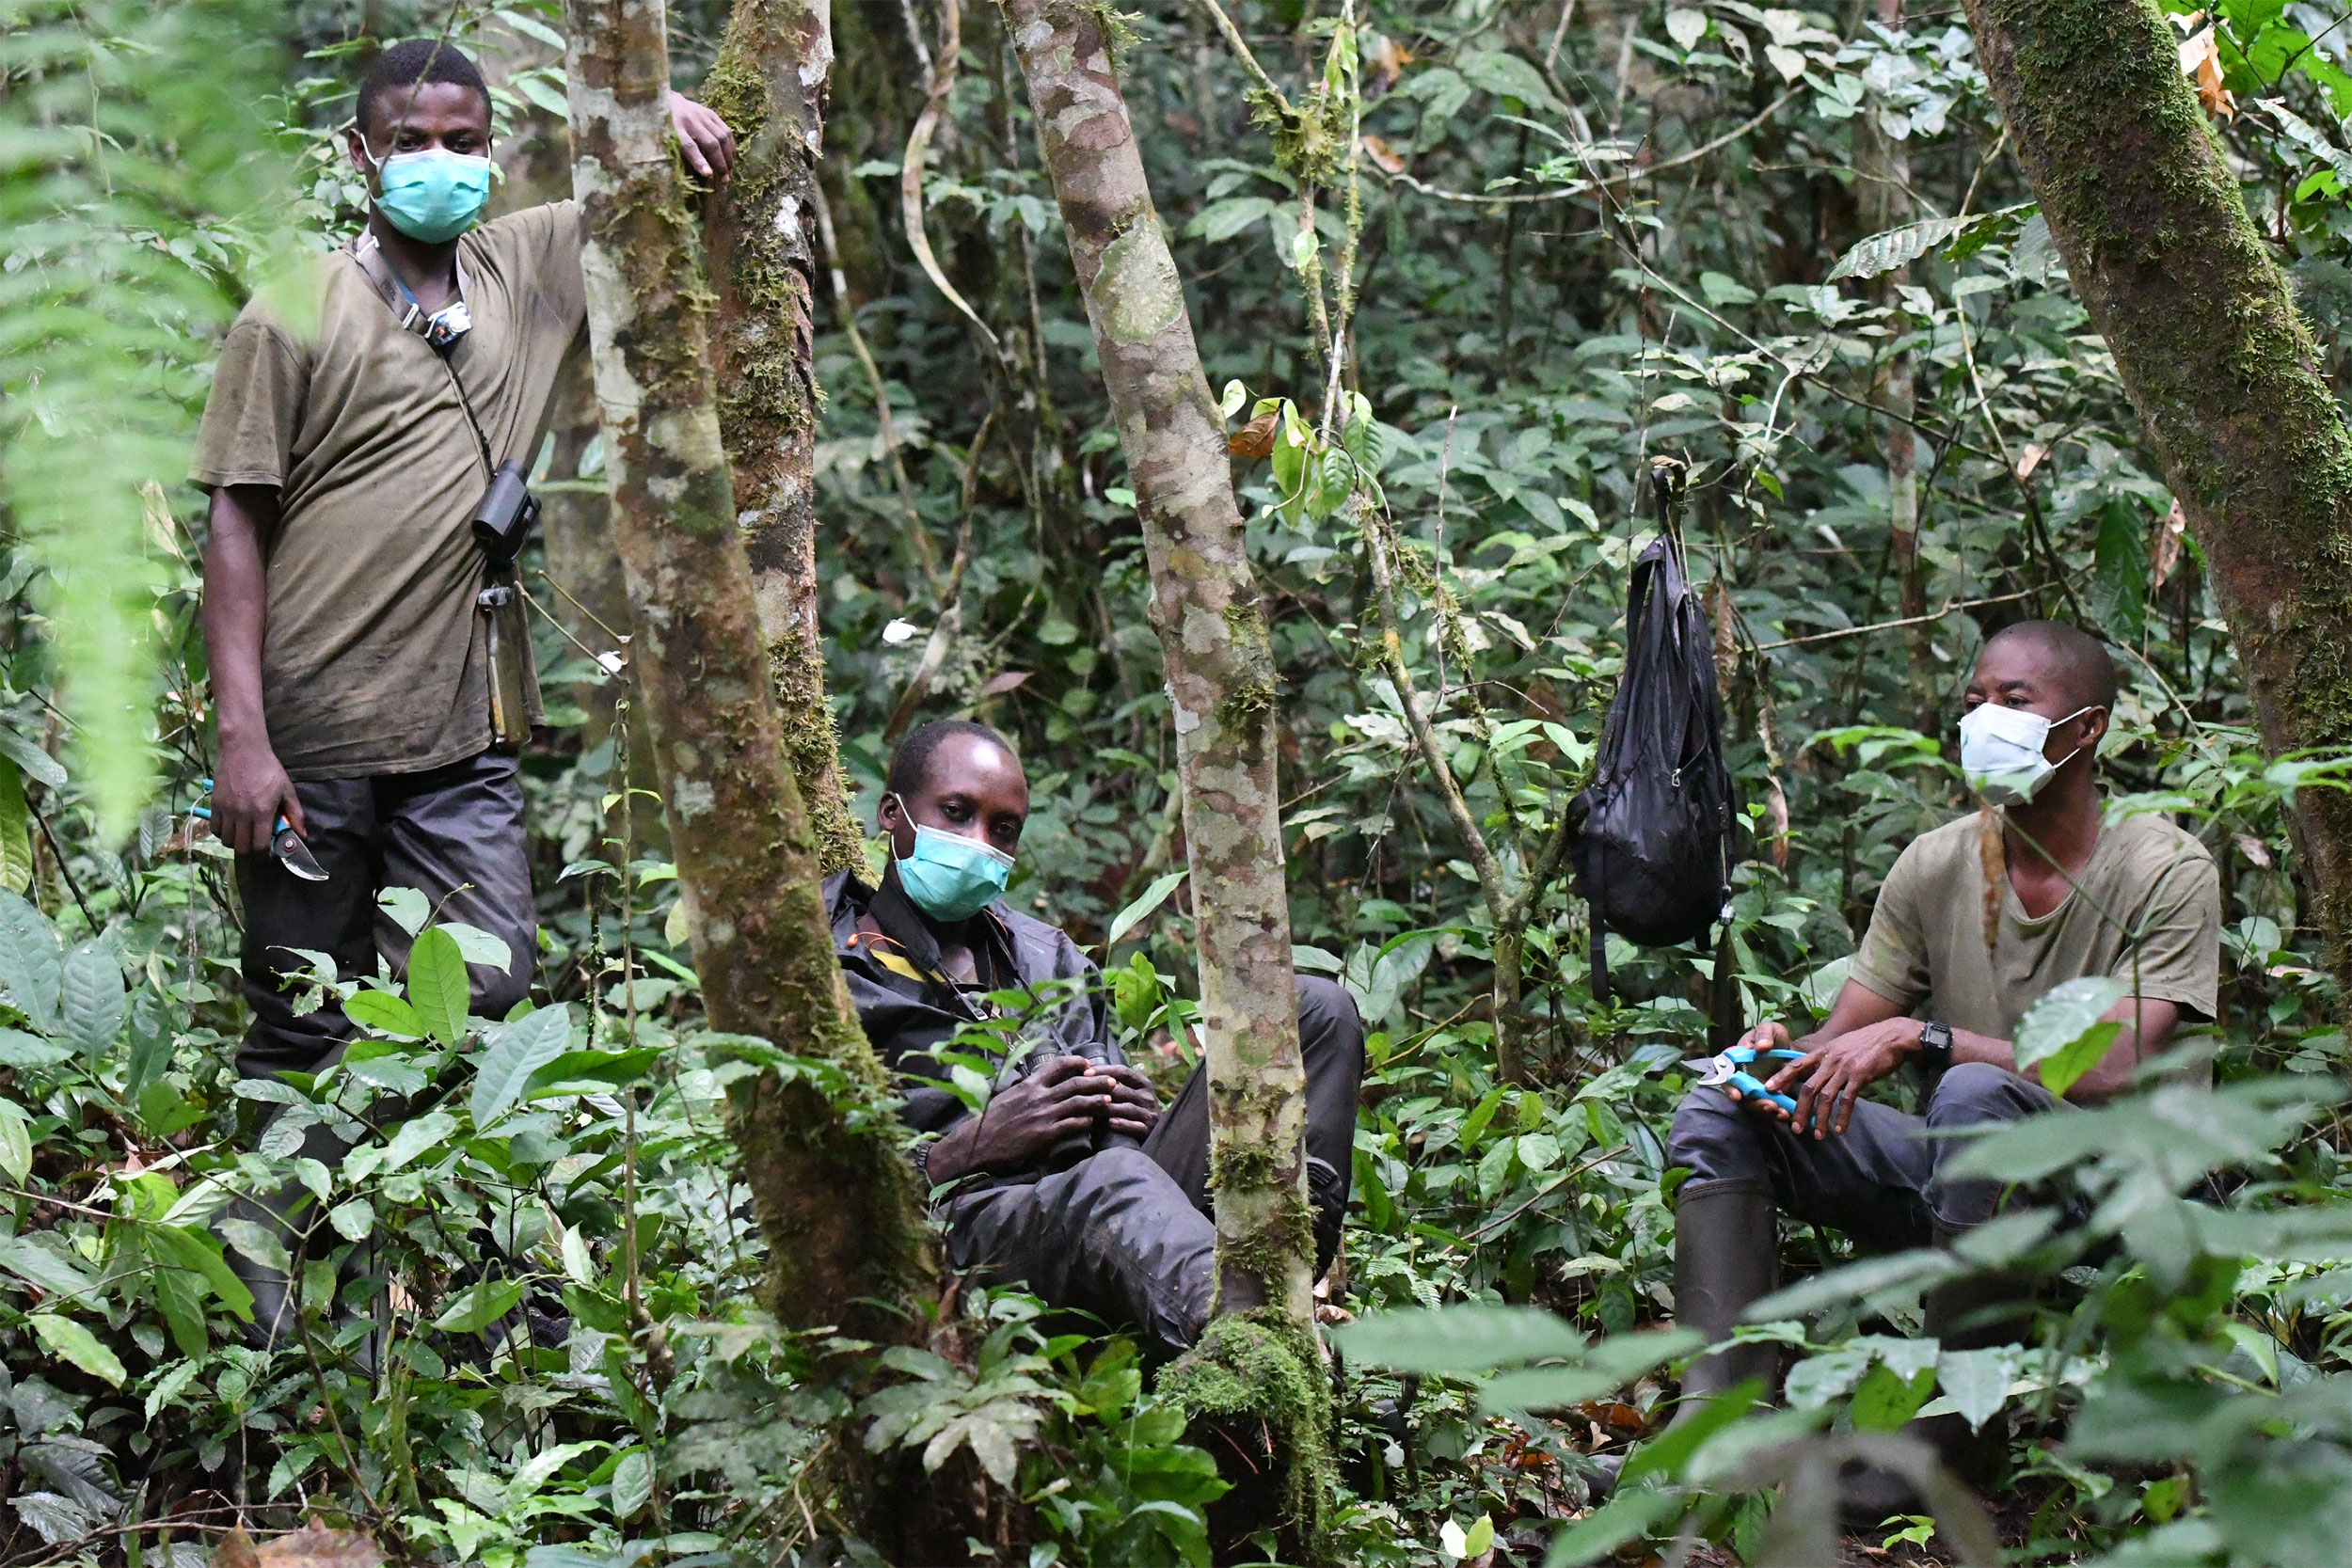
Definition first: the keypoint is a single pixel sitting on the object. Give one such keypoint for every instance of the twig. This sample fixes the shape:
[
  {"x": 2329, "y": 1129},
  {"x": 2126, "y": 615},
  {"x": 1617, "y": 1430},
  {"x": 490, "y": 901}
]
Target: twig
[
  {"x": 941, "y": 81},
  {"x": 1599, "y": 179},
  {"x": 1546, "y": 1191},
  {"x": 1890, "y": 625},
  {"x": 65, "y": 872},
  {"x": 1240, "y": 47}
]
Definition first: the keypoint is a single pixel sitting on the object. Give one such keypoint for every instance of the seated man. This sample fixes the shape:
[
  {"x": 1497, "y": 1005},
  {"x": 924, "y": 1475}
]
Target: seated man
[
  {"x": 1071, "y": 1182},
  {"x": 1932, "y": 984}
]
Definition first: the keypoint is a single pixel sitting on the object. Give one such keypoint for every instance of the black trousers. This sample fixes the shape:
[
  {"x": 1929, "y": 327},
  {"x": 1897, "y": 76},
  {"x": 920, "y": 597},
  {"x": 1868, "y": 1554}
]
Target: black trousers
[
  {"x": 1126, "y": 1234},
  {"x": 1880, "y": 1181},
  {"x": 454, "y": 834}
]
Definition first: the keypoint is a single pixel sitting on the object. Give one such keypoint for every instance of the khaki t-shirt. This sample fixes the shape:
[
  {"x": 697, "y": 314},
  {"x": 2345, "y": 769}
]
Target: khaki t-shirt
[
  {"x": 374, "y": 657},
  {"x": 1926, "y": 943}
]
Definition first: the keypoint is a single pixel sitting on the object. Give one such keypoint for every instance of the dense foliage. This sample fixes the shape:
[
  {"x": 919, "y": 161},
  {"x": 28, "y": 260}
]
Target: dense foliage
[{"x": 1579, "y": 240}]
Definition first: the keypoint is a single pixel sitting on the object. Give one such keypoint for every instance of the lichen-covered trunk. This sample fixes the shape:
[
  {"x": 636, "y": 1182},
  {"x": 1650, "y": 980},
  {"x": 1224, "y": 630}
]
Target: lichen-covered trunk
[
  {"x": 838, "y": 1207},
  {"x": 768, "y": 85},
  {"x": 1213, "y": 638},
  {"x": 2156, "y": 236}
]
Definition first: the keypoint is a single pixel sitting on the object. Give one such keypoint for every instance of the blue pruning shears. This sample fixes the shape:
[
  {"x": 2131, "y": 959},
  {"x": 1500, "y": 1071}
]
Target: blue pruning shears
[
  {"x": 1730, "y": 1068},
  {"x": 284, "y": 843}
]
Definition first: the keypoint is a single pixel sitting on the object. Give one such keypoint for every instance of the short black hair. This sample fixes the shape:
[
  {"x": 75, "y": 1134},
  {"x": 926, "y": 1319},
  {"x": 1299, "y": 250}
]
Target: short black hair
[
  {"x": 413, "y": 63},
  {"x": 911, "y": 765},
  {"x": 2079, "y": 661}
]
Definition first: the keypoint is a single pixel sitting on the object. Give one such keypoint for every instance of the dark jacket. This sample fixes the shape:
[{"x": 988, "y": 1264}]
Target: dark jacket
[{"x": 908, "y": 1007}]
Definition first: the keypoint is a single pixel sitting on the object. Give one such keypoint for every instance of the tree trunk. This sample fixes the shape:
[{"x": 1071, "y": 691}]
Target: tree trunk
[
  {"x": 768, "y": 85},
  {"x": 1251, "y": 1369},
  {"x": 839, "y": 1208},
  {"x": 2192, "y": 304}
]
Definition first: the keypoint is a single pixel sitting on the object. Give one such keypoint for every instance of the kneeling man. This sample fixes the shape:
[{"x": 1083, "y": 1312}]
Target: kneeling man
[
  {"x": 1071, "y": 1182},
  {"x": 1940, "y": 982}
]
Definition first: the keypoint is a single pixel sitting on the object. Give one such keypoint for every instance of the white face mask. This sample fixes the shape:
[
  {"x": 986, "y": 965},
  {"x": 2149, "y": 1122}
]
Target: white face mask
[{"x": 2000, "y": 752}]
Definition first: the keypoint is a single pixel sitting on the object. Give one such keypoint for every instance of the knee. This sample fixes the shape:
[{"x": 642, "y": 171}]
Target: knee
[
  {"x": 1713, "y": 1137},
  {"x": 1328, "y": 1022},
  {"x": 1974, "y": 1092}
]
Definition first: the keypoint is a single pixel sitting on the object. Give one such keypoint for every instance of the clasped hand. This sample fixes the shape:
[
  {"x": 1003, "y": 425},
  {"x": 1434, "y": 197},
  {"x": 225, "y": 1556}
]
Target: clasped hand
[
  {"x": 1830, "y": 1076},
  {"x": 1062, "y": 1099}
]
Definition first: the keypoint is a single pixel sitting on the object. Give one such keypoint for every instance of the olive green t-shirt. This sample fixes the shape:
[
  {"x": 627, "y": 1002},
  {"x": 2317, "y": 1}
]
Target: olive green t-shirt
[
  {"x": 374, "y": 659},
  {"x": 1926, "y": 943}
]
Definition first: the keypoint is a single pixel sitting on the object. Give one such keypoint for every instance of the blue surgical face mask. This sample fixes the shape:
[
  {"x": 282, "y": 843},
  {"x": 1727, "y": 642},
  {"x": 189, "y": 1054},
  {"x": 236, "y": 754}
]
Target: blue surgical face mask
[
  {"x": 951, "y": 878},
  {"x": 432, "y": 196}
]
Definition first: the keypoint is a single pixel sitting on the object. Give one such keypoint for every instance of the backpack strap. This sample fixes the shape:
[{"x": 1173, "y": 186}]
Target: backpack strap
[{"x": 369, "y": 253}]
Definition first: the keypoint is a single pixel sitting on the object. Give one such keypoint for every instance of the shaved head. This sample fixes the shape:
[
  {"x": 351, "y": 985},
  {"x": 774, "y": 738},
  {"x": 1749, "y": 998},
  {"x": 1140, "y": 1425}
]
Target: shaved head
[{"x": 2070, "y": 659}]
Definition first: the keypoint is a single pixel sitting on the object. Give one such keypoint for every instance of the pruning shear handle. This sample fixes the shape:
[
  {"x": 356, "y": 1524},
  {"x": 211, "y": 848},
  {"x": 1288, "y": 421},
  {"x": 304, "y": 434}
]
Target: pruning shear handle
[
  {"x": 1729, "y": 1070},
  {"x": 285, "y": 843}
]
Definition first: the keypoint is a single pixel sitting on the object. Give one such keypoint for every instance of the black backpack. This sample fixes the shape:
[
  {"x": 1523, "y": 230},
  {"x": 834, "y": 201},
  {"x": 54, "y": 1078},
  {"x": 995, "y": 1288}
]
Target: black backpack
[{"x": 1653, "y": 854}]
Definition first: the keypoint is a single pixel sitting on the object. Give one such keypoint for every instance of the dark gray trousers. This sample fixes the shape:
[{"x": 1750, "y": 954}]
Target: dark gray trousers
[
  {"x": 454, "y": 834},
  {"x": 1126, "y": 1234},
  {"x": 1880, "y": 1181}
]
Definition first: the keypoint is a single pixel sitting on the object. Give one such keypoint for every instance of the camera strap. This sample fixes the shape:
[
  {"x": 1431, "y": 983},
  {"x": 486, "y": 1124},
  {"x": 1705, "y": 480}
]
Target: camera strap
[{"x": 368, "y": 254}]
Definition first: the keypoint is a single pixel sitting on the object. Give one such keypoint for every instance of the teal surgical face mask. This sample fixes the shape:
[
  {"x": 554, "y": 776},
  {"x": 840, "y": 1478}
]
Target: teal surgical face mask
[
  {"x": 432, "y": 196},
  {"x": 952, "y": 878}
]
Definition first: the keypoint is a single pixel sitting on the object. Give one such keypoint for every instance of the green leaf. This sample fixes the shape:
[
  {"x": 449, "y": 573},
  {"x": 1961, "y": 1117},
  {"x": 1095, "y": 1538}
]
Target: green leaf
[
  {"x": 512, "y": 1051},
  {"x": 1222, "y": 220},
  {"x": 1897, "y": 247},
  {"x": 29, "y": 1260},
  {"x": 168, "y": 1385},
  {"x": 21, "y": 1049},
  {"x": 1136, "y": 913},
  {"x": 353, "y": 1220},
  {"x": 16, "y": 1141},
  {"x": 477, "y": 1306},
  {"x": 91, "y": 998},
  {"x": 260, "y": 1242},
  {"x": 38, "y": 765},
  {"x": 543, "y": 93},
  {"x": 1607, "y": 1366},
  {"x": 477, "y": 946},
  {"x": 590, "y": 1073},
  {"x": 1458, "y": 1341},
  {"x": 1626, "y": 1516},
  {"x": 1977, "y": 1381},
  {"x": 70, "y": 1339},
  {"x": 414, "y": 1138},
  {"x": 16, "y": 837},
  {"x": 1887, "y": 1398},
  {"x": 2064, "y": 1026},
  {"x": 409, "y": 907},
  {"x": 193, "y": 1254},
  {"x": 2118, "y": 574},
  {"x": 386, "y": 1012},
  {"x": 1665, "y": 1454},
  {"x": 1505, "y": 76},
  {"x": 30, "y": 958},
  {"x": 437, "y": 986}
]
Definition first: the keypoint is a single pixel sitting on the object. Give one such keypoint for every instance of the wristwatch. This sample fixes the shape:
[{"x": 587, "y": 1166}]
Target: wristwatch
[{"x": 1935, "y": 1046}]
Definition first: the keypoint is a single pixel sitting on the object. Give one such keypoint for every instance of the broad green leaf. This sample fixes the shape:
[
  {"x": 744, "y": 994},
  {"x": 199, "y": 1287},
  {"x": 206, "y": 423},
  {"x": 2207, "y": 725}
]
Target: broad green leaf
[
  {"x": 1136, "y": 913},
  {"x": 194, "y": 1253},
  {"x": 427, "y": 1132},
  {"x": 353, "y": 1220},
  {"x": 1897, "y": 247},
  {"x": 386, "y": 1012},
  {"x": 1977, "y": 1381},
  {"x": 16, "y": 1141},
  {"x": 70, "y": 1339},
  {"x": 632, "y": 1484},
  {"x": 1666, "y": 1453},
  {"x": 168, "y": 1386},
  {"x": 260, "y": 1242},
  {"x": 16, "y": 837},
  {"x": 2068, "y": 1015},
  {"x": 1628, "y": 1516},
  {"x": 589, "y": 1072},
  {"x": 1505, "y": 76},
  {"x": 30, "y": 959},
  {"x": 27, "y": 1257},
  {"x": 437, "y": 986},
  {"x": 477, "y": 946},
  {"x": 19, "y": 1048},
  {"x": 512, "y": 1053},
  {"x": 480, "y": 1304},
  {"x": 1605, "y": 1367},
  {"x": 91, "y": 999},
  {"x": 1459, "y": 1341},
  {"x": 409, "y": 907},
  {"x": 1887, "y": 1398},
  {"x": 1222, "y": 220},
  {"x": 38, "y": 765}
]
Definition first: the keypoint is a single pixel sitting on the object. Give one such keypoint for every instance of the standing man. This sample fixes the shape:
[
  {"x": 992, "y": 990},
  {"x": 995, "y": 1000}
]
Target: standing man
[{"x": 350, "y": 436}]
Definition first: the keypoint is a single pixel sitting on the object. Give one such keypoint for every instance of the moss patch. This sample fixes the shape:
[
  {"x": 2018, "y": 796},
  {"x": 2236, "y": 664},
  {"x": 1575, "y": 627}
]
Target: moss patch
[{"x": 1258, "y": 1379}]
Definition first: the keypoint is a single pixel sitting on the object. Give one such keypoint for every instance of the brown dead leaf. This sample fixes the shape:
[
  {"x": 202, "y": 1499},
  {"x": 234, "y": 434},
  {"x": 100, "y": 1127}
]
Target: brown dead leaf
[
  {"x": 2164, "y": 551},
  {"x": 1993, "y": 857},
  {"x": 2200, "y": 59},
  {"x": 1004, "y": 681},
  {"x": 1384, "y": 61},
  {"x": 1256, "y": 438},
  {"x": 1385, "y": 157},
  {"x": 2253, "y": 848},
  {"x": 1777, "y": 812},
  {"x": 1182, "y": 122},
  {"x": 2031, "y": 460},
  {"x": 314, "y": 1546}
]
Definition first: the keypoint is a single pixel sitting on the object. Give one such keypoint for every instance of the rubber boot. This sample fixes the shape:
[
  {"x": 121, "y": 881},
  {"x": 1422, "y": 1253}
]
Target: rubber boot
[
  {"x": 1972, "y": 1312},
  {"x": 1727, "y": 1257}
]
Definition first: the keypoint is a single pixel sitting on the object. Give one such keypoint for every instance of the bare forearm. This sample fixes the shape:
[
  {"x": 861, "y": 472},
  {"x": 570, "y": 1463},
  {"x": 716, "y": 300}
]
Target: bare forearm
[{"x": 235, "y": 611}]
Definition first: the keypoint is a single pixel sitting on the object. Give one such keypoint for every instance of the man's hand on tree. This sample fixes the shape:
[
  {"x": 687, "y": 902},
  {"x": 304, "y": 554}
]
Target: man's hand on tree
[
  {"x": 706, "y": 141},
  {"x": 250, "y": 793},
  {"x": 1060, "y": 1101},
  {"x": 1827, "y": 1080}
]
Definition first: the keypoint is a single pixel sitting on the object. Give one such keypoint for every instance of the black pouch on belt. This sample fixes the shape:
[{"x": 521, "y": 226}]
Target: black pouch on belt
[{"x": 501, "y": 526}]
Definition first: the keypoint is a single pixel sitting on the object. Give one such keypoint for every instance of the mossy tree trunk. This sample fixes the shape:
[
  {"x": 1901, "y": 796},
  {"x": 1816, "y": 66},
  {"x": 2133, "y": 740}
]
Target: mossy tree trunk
[
  {"x": 2194, "y": 307},
  {"x": 1256, "y": 1370},
  {"x": 839, "y": 1208},
  {"x": 768, "y": 85}
]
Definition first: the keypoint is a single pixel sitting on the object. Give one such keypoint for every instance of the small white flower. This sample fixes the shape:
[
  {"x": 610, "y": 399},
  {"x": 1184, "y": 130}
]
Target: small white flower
[{"x": 900, "y": 631}]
